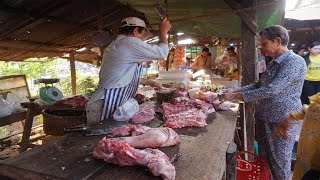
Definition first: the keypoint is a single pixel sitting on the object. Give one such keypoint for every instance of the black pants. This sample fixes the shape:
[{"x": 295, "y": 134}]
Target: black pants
[
  {"x": 311, "y": 175},
  {"x": 309, "y": 88}
]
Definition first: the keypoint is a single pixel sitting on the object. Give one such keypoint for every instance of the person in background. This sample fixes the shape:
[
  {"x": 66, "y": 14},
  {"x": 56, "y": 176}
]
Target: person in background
[
  {"x": 203, "y": 61},
  {"x": 302, "y": 50},
  {"x": 307, "y": 166},
  {"x": 276, "y": 94},
  {"x": 122, "y": 66},
  {"x": 311, "y": 84},
  {"x": 232, "y": 69}
]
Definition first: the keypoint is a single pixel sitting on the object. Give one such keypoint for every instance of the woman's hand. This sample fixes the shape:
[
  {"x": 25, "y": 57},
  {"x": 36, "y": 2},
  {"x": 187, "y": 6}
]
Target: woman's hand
[{"x": 282, "y": 128}]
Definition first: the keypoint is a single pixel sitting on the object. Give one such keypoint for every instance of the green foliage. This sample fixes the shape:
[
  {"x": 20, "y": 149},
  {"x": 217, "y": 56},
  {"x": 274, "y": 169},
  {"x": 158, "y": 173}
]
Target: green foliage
[
  {"x": 33, "y": 69},
  {"x": 48, "y": 68},
  {"x": 86, "y": 85},
  {"x": 3, "y": 132}
]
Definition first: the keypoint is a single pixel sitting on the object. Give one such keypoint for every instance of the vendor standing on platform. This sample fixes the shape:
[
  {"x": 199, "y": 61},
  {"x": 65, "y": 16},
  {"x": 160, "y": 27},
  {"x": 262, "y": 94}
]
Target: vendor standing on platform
[
  {"x": 203, "y": 61},
  {"x": 121, "y": 67}
]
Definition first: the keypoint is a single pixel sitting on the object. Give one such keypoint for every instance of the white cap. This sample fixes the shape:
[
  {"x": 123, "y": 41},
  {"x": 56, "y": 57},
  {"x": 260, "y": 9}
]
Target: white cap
[{"x": 133, "y": 21}]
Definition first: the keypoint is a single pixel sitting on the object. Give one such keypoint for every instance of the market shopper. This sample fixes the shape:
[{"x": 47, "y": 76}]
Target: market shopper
[
  {"x": 276, "y": 94},
  {"x": 311, "y": 84},
  {"x": 121, "y": 67},
  {"x": 307, "y": 165},
  {"x": 203, "y": 61}
]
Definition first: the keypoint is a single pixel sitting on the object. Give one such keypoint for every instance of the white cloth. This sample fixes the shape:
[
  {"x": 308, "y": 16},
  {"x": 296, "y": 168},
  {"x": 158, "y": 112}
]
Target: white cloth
[{"x": 120, "y": 61}]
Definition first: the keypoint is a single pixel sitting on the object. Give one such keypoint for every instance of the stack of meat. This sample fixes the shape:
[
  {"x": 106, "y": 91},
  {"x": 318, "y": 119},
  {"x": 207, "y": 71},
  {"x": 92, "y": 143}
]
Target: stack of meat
[
  {"x": 75, "y": 101},
  {"x": 182, "y": 112},
  {"x": 122, "y": 151},
  {"x": 143, "y": 115},
  {"x": 213, "y": 99}
]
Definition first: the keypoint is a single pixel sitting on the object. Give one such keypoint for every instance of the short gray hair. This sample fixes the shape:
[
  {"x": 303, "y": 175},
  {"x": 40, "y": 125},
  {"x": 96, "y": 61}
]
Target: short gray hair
[{"x": 275, "y": 31}]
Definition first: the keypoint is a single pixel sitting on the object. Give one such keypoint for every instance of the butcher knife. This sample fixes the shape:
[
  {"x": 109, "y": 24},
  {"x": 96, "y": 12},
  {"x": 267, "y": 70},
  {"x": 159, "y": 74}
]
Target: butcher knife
[{"x": 89, "y": 131}]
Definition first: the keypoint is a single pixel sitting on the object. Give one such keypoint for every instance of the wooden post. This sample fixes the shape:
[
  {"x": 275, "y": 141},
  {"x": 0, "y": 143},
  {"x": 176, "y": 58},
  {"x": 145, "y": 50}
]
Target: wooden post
[
  {"x": 27, "y": 129},
  {"x": 73, "y": 74},
  {"x": 249, "y": 70}
]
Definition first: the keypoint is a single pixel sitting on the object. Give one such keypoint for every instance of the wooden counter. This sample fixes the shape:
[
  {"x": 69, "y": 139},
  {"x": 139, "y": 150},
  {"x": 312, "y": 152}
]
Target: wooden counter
[{"x": 203, "y": 155}]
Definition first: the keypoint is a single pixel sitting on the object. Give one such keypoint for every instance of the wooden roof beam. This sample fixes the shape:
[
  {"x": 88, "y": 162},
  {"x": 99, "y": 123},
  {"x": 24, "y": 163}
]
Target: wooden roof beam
[
  {"x": 36, "y": 15},
  {"x": 246, "y": 19},
  {"x": 73, "y": 31},
  {"x": 56, "y": 6},
  {"x": 2, "y": 48}
]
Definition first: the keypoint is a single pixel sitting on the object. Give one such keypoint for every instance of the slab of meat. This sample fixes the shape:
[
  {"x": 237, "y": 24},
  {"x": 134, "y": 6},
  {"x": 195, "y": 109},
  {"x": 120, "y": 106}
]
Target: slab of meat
[
  {"x": 75, "y": 101},
  {"x": 140, "y": 98},
  {"x": 192, "y": 118},
  {"x": 153, "y": 138},
  {"x": 144, "y": 115},
  {"x": 208, "y": 97},
  {"x": 182, "y": 104},
  {"x": 182, "y": 112},
  {"x": 126, "y": 130},
  {"x": 121, "y": 153}
]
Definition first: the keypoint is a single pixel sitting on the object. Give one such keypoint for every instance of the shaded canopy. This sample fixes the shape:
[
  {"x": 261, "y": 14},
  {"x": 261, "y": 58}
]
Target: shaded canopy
[
  {"x": 53, "y": 28},
  {"x": 209, "y": 17}
]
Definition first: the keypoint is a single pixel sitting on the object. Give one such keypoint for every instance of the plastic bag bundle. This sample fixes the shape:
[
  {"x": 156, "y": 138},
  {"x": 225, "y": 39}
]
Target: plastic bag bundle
[{"x": 127, "y": 110}]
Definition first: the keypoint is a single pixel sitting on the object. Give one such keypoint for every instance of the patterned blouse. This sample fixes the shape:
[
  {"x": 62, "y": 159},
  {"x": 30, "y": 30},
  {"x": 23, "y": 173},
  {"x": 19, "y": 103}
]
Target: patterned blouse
[{"x": 279, "y": 88}]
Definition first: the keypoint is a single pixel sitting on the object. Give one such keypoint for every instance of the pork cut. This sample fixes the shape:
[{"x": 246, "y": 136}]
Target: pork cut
[
  {"x": 191, "y": 118},
  {"x": 140, "y": 98},
  {"x": 129, "y": 129},
  {"x": 75, "y": 101},
  {"x": 145, "y": 137},
  {"x": 182, "y": 112},
  {"x": 122, "y": 154},
  {"x": 144, "y": 115},
  {"x": 153, "y": 138}
]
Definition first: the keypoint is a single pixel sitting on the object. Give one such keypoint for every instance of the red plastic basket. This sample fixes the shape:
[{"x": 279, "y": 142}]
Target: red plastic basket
[{"x": 256, "y": 169}]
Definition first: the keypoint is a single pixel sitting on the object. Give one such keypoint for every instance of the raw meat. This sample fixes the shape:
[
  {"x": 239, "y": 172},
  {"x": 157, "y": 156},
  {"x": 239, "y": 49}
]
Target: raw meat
[
  {"x": 154, "y": 138},
  {"x": 144, "y": 115},
  {"x": 75, "y": 101},
  {"x": 208, "y": 97},
  {"x": 121, "y": 153},
  {"x": 182, "y": 112},
  {"x": 140, "y": 98},
  {"x": 193, "y": 117},
  {"x": 126, "y": 130}
]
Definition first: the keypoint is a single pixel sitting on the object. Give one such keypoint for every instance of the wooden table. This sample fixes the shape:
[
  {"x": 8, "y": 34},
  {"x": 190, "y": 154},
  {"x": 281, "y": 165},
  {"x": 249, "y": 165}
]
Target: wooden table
[
  {"x": 203, "y": 155},
  {"x": 34, "y": 109}
]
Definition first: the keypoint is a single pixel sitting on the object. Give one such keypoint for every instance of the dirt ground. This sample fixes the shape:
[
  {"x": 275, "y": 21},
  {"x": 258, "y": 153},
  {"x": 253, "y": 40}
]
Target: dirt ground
[{"x": 9, "y": 146}]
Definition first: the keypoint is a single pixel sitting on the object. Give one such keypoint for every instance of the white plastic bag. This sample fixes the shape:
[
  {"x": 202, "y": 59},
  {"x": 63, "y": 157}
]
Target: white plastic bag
[
  {"x": 15, "y": 99},
  {"x": 127, "y": 110},
  {"x": 6, "y": 108}
]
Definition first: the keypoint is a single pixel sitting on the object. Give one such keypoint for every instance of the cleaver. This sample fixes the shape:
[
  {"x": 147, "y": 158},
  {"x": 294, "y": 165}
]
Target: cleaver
[{"x": 89, "y": 131}]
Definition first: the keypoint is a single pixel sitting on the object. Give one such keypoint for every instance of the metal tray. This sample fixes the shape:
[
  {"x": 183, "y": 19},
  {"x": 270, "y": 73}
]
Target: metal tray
[{"x": 49, "y": 81}]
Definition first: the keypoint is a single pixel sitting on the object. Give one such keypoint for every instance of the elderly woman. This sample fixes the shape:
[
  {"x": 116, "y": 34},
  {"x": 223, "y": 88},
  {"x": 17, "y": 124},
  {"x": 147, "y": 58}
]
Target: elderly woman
[{"x": 276, "y": 94}]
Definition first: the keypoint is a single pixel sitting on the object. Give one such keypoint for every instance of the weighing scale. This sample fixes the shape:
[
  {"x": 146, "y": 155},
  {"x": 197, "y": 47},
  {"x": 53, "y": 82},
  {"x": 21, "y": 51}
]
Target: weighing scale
[{"x": 48, "y": 93}]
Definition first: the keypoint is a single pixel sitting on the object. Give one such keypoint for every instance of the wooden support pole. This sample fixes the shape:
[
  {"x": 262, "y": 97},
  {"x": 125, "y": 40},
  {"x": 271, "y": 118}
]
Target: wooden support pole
[
  {"x": 249, "y": 57},
  {"x": 73, "y": 74}
]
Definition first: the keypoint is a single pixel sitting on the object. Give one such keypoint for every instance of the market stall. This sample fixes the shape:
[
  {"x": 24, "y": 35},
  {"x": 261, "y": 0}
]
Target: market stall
[{"x": 202, "y": 155}]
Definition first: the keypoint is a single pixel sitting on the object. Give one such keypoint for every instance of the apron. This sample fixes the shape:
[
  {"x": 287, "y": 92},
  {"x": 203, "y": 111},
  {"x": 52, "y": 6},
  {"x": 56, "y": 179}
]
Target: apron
[{"x": 115, "y": 97}]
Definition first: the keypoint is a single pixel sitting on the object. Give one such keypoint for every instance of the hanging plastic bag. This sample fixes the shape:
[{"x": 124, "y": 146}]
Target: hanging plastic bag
[
  {"x": 6, "y": 108},
  {"x": 127, "y": 110}
]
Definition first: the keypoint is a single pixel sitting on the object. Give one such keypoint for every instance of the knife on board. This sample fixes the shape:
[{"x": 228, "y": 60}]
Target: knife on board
[{"x": 88, "y": 131}]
